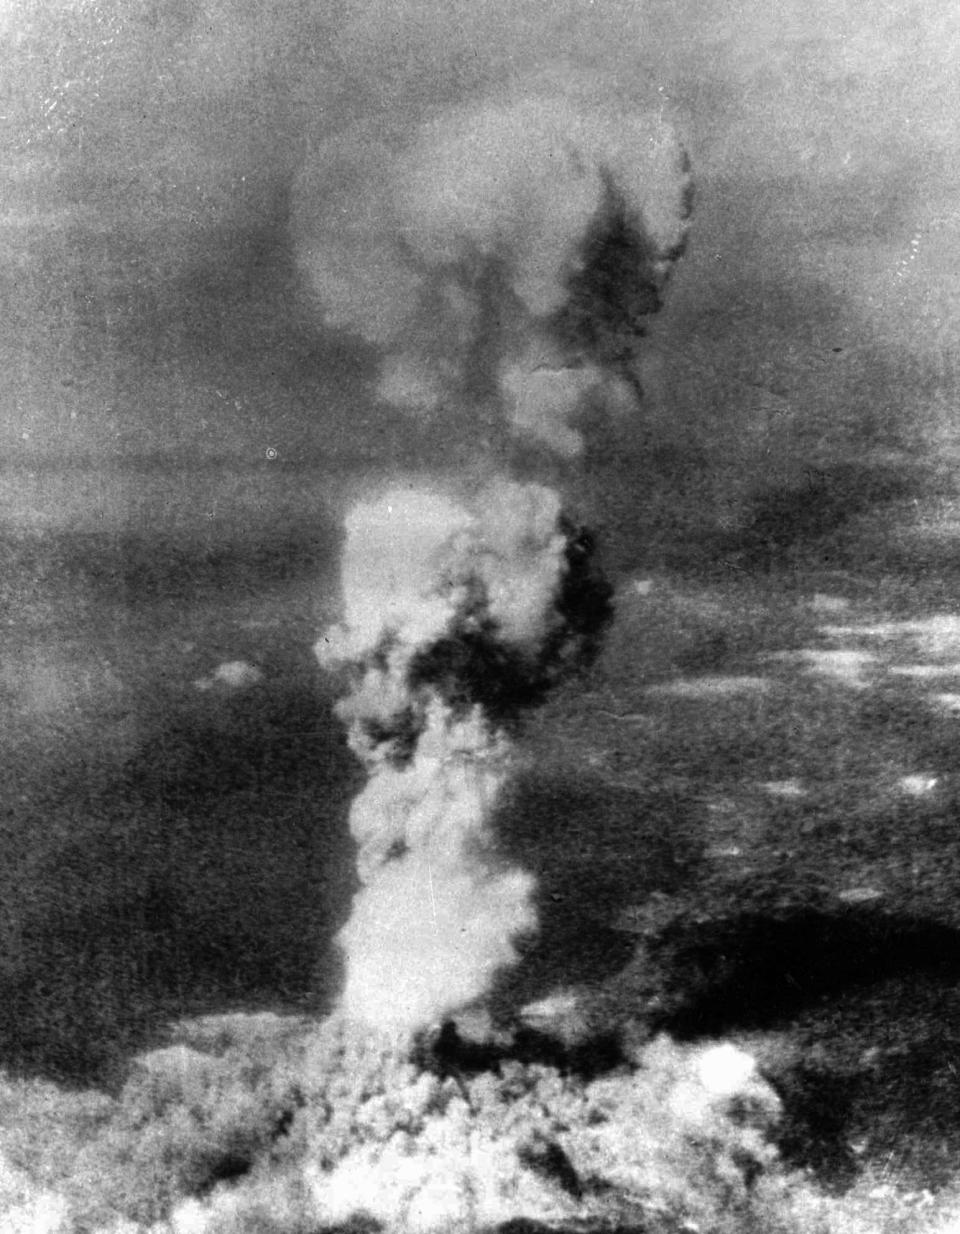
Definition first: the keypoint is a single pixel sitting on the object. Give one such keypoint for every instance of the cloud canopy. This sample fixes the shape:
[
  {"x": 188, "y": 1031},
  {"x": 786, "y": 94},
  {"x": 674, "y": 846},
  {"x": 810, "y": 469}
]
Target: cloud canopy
[{"x": 153, "y": 147}]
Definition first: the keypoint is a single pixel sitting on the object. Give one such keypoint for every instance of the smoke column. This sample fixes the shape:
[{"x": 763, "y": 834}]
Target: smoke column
[
  {"x": 502, "y": 258},
  {"x": 456, "y": 613}
]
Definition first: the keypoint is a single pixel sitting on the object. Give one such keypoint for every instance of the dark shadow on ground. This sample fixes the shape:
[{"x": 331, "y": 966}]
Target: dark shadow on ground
[
  {"x": 756, "y": 970},
  {"x": 781, "y": 521},
  {"x": 671, "y": 524},
  {"x": 210, "y": 872},
  {"x": 595, "y": 848},
  {"x": 871, "y": 997},
  {"x": 171, "y": 846},
  {"x": 878, "y": 1085}
]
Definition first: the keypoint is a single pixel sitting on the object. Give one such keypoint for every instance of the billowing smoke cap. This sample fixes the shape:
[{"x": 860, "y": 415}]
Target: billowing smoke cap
[
  {"x": 502, "y": 254},
  {"x": 484, "y": 602},
  {"x": 513, "y": 182}
]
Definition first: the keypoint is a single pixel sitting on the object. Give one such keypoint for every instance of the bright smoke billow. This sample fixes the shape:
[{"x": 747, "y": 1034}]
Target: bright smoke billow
[{"x": 457, "y": 613}]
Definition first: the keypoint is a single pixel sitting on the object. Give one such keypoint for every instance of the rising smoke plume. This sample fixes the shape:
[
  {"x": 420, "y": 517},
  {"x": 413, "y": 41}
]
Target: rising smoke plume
[
  {"x": 456, "y": 614},
  {"x": 502, "y": 258}
]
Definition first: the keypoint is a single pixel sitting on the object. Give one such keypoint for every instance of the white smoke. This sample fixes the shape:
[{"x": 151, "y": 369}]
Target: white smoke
[
  {"x": 471, "y": 252},
  {"x": 677, "y": 1144},
  {"x": 430, "y": 585}
]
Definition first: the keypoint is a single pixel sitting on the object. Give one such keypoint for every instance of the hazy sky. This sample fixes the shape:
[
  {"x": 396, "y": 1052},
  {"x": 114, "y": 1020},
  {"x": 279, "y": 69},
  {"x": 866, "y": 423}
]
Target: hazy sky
[{"x": 148, "y": 148}]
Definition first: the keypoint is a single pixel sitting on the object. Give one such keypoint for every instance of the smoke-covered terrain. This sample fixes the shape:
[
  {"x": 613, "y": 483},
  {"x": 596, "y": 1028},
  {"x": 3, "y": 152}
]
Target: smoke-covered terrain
[{"x": 478, "y": 533}]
